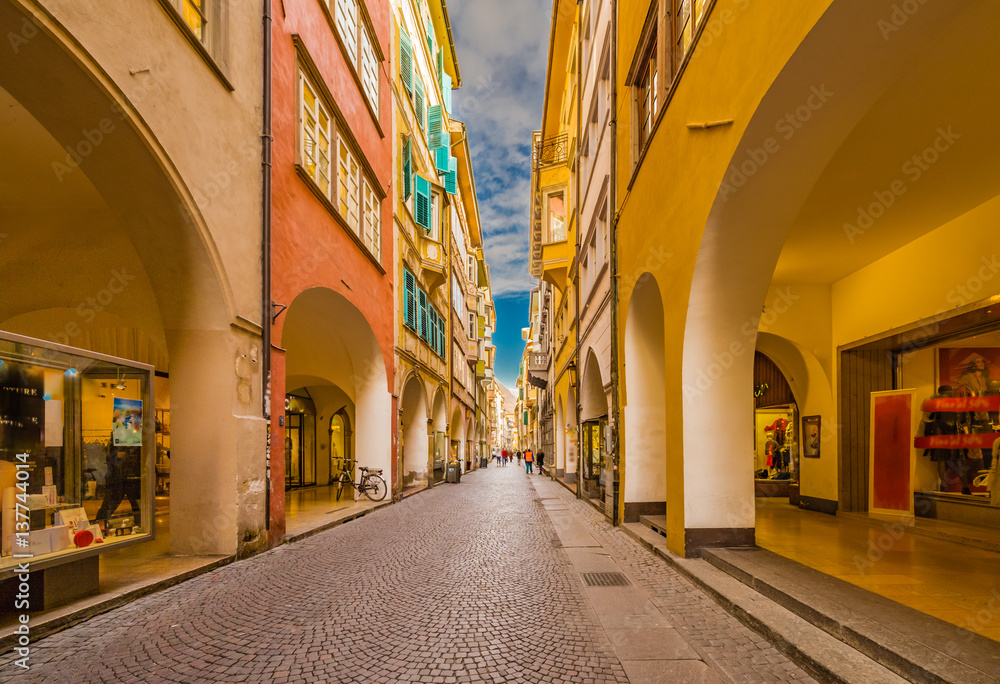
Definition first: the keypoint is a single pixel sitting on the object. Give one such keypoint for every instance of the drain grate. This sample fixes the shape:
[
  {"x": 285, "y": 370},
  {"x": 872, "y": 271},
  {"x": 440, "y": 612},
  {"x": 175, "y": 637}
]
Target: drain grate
[{"x": 605, "y": 579}]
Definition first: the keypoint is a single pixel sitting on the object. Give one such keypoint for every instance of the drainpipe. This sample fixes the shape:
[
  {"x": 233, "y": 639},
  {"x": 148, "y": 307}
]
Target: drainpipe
[
  {"x": 576, "y": 269},
  {"x": 265, "y": 258},
  {"x": 613, "y": 248}
]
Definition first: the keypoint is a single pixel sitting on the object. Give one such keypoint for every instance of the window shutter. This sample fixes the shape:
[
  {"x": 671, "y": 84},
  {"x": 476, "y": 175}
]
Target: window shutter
[
  {"x": 409, "y": 299},
  {"x": 422, "y": 313},
  {"x": 418, "y": 101},
  {"x": 446, "y": 91},
  {"x": 406, "y": 61},
  {"x": 451, "y": 179},
  {"x": 437, "y": 134},
  {"x": 407, "y": 169},
  {"x": 441, "y": 67},
  {"x": 422, "y": 206},
  {"x": 441, "y": 158},
  {"x": 441, "y": 339},
  {"x": 430, "y": 37}
]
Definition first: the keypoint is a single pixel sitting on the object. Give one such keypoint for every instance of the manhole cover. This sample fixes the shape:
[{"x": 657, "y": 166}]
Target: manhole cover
[{"x": 605, "y": 579}]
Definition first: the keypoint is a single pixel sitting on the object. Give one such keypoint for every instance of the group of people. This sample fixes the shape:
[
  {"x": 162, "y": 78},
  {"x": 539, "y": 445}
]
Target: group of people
[{"x": 527, "y": 457}]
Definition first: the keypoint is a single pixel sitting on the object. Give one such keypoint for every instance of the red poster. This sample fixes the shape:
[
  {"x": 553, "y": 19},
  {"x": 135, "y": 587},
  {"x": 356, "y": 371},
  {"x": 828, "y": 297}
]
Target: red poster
[
  {"x": 968, "y": 370},
  {"x": 892, "y": 444}
]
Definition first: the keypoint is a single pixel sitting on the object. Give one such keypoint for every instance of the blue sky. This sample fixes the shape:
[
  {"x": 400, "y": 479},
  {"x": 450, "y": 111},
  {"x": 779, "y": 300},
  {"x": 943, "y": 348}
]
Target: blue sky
[{"x": 502, "y": 48}]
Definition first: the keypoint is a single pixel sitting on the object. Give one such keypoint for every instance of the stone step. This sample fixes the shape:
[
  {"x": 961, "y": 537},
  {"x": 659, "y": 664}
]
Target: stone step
[
  {"x": 908, "y": 642},
  {"x": 825, "y": 657},
  {"x": 657, "y": 523}
]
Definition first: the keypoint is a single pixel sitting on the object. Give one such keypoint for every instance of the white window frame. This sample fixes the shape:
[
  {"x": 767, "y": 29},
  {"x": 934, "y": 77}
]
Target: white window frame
[
  {"x": 373, "y": 222},
  {"x": 369, "y": 70},
  {"x": 346, "y": 20},
  {"x": 349, "y": 187},
  {"x": 312, "y": 163}
]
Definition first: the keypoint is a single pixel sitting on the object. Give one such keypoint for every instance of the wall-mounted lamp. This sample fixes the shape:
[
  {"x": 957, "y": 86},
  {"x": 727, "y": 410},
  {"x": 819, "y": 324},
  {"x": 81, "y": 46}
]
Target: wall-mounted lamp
[{"x": 571, "y": 369}]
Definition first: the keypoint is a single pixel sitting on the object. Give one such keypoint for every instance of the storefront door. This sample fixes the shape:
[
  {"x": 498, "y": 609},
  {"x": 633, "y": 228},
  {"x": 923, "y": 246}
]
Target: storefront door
[{"x": 593, "y": 457}]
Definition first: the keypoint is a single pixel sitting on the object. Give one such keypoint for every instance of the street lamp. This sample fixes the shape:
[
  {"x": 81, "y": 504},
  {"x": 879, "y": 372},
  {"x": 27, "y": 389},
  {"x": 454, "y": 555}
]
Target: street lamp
[{"x": 571, "y": 369}]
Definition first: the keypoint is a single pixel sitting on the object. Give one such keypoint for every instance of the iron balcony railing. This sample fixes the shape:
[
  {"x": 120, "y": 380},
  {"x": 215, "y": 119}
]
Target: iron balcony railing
[{"x": 552, "y": 150}]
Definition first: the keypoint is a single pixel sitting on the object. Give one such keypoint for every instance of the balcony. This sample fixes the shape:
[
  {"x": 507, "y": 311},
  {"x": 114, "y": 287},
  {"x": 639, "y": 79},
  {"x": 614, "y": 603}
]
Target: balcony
[
  {"x": 556, "y": 257},
  {"x": 547, "y": 151}
]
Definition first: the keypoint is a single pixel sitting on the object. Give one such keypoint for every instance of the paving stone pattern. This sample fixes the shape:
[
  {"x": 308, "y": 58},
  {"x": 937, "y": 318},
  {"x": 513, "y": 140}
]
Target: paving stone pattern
[
  {"x": 723, "y": 642},
  {"x": 459, "y": 584}
]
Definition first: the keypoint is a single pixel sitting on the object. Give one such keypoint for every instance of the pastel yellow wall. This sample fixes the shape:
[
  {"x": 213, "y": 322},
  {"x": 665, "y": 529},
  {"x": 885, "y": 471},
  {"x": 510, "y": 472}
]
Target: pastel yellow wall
[{"x": 663, "y": 210}]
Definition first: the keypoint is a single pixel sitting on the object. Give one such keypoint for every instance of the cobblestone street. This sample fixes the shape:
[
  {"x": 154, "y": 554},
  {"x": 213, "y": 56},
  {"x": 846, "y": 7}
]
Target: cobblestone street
[{"x": 459, "y": 584}]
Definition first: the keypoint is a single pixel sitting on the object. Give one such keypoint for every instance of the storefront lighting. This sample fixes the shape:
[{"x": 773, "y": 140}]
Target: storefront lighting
[
  {"x": 46, "y": 397},
  {"x": 70, "y": 373}
]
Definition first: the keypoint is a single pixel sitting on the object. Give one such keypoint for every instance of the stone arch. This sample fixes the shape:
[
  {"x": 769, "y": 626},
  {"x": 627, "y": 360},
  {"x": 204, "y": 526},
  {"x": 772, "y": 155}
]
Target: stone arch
[
  {"x": 120, "y": 260},
  {"x": 332, "y": 351},
  {"x": 413, "y": 426},
  {"x": 644, "y": 413},
  {"x": 852, "y": 105}
]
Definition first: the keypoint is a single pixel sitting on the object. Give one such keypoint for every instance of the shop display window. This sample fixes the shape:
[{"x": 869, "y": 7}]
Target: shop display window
[
  {"x": 958, "y": 386},
  {"x": 76, "y": 451}
]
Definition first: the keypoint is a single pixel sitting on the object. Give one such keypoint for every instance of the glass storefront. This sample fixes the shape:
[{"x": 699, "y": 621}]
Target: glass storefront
[
  {"x": 300, "y": 441},
  {"x": 76, "y": 451},
  {"x": 956, "y": 440}
]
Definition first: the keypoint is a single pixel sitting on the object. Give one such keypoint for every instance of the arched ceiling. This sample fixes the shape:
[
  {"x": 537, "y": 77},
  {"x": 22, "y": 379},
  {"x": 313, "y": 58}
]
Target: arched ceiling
[{"x": 947, "y": 96}]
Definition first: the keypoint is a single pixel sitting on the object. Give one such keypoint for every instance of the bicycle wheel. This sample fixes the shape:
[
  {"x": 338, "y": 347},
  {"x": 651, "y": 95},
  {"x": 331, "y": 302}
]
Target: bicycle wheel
[
  {"x": 375, "y": 488},
  {"x": 341, "y": 483}
]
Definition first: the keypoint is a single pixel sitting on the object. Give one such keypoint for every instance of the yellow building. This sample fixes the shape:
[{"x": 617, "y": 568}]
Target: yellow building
[
  {"x": 553, "y": 339},
  {"x": 426, "y": 72},
  {"x": 804, "y": 191}
]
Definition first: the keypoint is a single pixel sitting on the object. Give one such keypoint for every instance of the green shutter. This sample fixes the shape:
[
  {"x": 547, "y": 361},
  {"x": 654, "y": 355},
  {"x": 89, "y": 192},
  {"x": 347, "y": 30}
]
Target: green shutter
[
  {"x": 422, "y": 206},
  {"x": 407, "y": 169},
  {"x": 437, "y": 134},
  {"x": 409, "y": 299},
  {"x": 441, "y": 158},
  {"x": 418, "y": 101},
  {"x": 446, "y": 91},
  {"x": 406, "y": 61},
  {"x": 422, "y": 313},
  {"x": 430, "y": 37},
  {"x": 441, "y": 339},
  {"x": 441, "y": 68},
  {"x": 451, "y": 179}
]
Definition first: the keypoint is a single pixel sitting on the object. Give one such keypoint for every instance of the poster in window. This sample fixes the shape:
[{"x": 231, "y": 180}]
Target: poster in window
[
  {"x": 127, "y": 422},
  {"x": 969, "y": 371},
  {"x": 810, "y": 436}
]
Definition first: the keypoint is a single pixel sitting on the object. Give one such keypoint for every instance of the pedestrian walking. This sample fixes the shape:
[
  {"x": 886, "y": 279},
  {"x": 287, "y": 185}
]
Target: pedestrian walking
[
  {"x": 529, "y": 459},
  {"x": 541, "y": 461}
]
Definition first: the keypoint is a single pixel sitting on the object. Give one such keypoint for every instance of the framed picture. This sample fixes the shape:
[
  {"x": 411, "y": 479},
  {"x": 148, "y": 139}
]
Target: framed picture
[
  {"x": 811, "y": 436},
  {"x": 968, "y": 369}
]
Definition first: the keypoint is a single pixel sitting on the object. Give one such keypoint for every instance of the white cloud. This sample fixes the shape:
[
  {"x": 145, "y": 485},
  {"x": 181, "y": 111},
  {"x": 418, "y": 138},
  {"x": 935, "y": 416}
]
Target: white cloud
[{"x": 502, "y": 50}]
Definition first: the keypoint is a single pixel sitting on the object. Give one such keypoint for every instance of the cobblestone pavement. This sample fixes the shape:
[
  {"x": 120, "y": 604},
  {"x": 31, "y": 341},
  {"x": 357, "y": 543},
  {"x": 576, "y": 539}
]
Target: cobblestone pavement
[
  {"x": 458, "y": 584},
  {"x": 462, "y": 583},
  {"x": 720, "y": 639}
]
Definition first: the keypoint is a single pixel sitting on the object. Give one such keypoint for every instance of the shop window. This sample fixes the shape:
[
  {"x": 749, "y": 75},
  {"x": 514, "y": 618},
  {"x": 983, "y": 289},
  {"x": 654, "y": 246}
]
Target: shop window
[{"x": 76, "y": 445}]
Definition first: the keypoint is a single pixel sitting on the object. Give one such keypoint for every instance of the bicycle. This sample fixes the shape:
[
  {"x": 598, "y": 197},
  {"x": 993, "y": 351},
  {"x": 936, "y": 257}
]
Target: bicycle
[{"x": 370, "y": 483}]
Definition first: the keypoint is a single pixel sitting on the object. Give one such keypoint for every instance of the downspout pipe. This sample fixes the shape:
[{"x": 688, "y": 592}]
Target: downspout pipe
[
  {"x": 613, "y": 249},
  {"x": 576, "y": 267},
  {"x": 265, "y": 258}
]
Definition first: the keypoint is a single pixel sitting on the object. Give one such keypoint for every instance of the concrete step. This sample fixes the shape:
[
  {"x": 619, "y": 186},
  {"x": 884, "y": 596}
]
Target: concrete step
[
  {"x": 825, "y": 657},
  {"x": 657, "y": 523},
  {"x": 908, "y": 642}
]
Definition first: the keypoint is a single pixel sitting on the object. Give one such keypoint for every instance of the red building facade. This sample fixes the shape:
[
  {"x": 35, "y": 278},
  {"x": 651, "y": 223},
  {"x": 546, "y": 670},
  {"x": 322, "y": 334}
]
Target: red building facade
[{"x": 331, "y": 247}]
